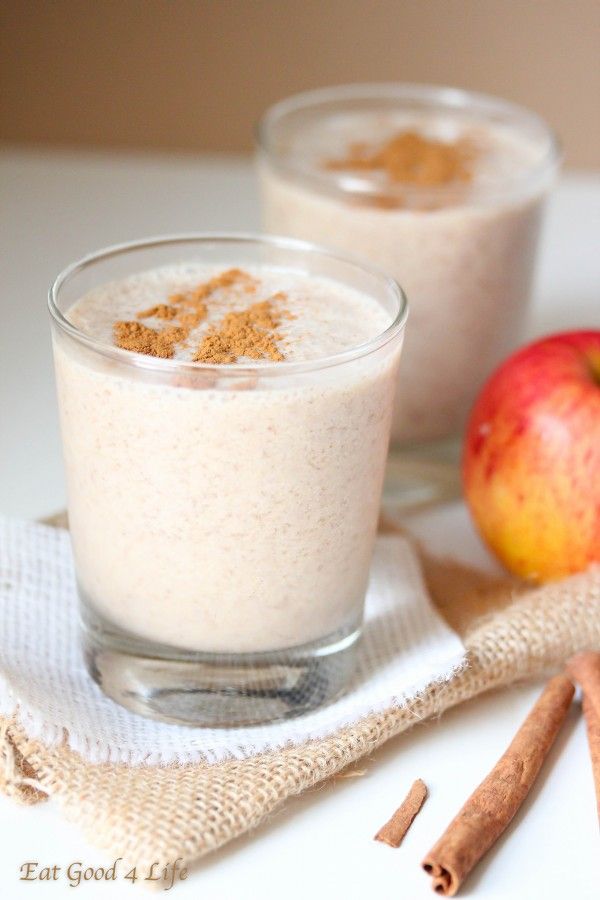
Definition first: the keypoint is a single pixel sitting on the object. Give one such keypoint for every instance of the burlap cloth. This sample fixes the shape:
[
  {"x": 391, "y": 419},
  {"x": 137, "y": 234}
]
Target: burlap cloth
[{"x": 158, "y": 814}]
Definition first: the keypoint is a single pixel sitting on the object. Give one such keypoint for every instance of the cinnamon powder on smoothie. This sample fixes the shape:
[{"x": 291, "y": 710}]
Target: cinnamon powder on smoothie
[
  {"x": 160, "y": 311},
  {"x": 226, "y": 279},
  {"x": 412, "y": 158},
  {"x": 141, "y": 339},
  {"x": 250, "y": 332}
]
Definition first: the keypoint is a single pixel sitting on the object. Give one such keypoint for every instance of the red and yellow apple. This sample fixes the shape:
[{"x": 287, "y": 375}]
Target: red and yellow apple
[{"x": 531, "y": 464}]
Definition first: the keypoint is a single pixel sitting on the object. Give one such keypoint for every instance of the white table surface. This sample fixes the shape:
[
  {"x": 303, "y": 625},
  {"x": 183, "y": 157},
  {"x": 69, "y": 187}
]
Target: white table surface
[{"x": 57, "y": 206}]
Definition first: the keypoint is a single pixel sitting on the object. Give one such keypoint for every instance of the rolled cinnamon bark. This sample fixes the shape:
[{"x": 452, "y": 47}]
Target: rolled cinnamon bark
[
  {"x": 493, "y": 804},
  {"x": 593, "y": 733},
  {"x": 393, "y": 832},
  {"x": 585, "y": 670}
]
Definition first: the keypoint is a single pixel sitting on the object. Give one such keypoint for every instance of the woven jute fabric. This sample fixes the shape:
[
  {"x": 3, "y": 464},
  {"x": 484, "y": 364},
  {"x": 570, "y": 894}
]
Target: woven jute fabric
[{"x": 160, "y": 813}]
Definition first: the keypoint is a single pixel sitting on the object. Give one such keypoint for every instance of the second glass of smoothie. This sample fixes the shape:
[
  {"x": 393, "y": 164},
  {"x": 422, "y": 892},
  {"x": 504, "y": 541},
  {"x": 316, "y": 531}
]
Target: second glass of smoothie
[
  {"x": 225, "y": 405},
  {"x": 442, "y": 189}
]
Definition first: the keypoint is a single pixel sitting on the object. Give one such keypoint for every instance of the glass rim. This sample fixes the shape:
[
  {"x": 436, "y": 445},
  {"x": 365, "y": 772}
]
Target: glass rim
[
  {"x": 267, "y": 368},
  {"x": 451, "y": 98}
]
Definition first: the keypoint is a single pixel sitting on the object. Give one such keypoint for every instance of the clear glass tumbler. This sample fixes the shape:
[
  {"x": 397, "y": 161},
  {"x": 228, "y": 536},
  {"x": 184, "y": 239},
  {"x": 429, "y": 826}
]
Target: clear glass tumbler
[
  {"x": 223, "y": 516},
  {"x": 464, "y": 252}
]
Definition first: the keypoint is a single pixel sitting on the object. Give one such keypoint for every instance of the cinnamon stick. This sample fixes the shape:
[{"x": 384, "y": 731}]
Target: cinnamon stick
[
  {"x": 493, "y": 804},
  {"x": 585, "y": 670},
  {"x": 393, "y": 832}
]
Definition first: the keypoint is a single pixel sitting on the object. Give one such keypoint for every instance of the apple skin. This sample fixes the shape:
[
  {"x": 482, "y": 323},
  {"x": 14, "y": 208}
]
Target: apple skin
[{"x": 531, "y": 462}]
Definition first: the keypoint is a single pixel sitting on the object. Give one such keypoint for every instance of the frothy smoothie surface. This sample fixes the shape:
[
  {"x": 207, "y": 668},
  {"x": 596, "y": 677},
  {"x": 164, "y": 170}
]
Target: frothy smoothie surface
[
  {"x": 386, "y": 150},
  {"x": 219, "y": 315}
]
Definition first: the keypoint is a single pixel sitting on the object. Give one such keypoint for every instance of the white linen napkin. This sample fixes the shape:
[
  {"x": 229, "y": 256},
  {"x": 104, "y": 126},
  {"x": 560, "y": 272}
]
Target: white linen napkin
[{"x": 405, "y": 647}]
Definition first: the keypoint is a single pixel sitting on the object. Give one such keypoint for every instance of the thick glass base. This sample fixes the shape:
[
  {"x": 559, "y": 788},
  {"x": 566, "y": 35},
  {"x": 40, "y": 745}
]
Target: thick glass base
[
  {"x": 216, "y": 690},
  {"x": 420, "y": 475}
]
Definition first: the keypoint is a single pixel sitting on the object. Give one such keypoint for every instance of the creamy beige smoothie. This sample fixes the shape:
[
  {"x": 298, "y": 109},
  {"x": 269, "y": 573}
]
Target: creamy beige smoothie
[
  {"x": 224, "y": 457},
  {"x": 443, "y": 191}
]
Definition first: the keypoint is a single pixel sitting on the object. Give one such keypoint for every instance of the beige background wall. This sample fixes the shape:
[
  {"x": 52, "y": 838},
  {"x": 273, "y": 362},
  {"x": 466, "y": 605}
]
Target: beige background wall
[{"x": 195, "y": 74}]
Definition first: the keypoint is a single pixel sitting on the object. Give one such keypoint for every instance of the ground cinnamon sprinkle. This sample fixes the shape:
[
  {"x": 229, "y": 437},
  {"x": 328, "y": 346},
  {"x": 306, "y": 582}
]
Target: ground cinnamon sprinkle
[
  {"x": 193, "y": 318},
  {"x": 224, "y": 279},
  {"x": 141, "y": 339},
  {"x": 160, "y": 311},
  {"x": 249, "y": 332},
  {"x": 412, "y": 158}
]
